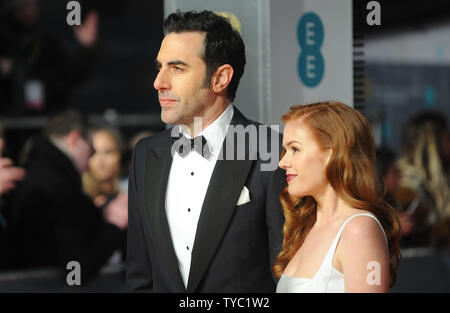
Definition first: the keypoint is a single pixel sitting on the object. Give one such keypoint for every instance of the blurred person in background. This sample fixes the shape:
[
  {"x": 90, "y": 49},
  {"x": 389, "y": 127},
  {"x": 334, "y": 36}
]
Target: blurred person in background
[
  {"x": 10, "y": 175},
  {"x": 101, "y": 180},
  {"x": 127, "y": 156},
  {"x": 386, "y": 164},
  {"x": 36, "y": 72},
  {"x": 53, "y": 221},
  {"x": 424, "y": 192}
]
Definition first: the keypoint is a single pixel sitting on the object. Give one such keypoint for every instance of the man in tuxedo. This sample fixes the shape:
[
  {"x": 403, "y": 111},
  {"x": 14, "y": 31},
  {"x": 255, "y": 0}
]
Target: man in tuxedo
[{"x": 204, "y": 214}]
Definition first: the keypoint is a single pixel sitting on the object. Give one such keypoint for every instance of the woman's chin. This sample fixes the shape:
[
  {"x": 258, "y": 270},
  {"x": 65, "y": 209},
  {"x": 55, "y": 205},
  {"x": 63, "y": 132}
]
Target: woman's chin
[{"x": 296, "y": 192}]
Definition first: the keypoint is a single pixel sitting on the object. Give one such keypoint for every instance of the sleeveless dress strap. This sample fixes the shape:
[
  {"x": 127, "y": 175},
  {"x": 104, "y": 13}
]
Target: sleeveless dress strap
[
  {"x": 336, "y": 240},
  {"x": 327, "y": 265}
]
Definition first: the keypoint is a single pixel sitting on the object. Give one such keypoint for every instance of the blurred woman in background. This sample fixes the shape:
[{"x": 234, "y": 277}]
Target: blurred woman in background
[
  {"x": 424, "y": 189},
  {"x": 101, "y": 180}
]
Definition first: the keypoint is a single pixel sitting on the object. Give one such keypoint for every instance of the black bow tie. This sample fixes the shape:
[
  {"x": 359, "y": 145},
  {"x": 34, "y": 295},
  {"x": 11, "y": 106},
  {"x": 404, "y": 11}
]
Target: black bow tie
[{"x": 183, "y": 145}]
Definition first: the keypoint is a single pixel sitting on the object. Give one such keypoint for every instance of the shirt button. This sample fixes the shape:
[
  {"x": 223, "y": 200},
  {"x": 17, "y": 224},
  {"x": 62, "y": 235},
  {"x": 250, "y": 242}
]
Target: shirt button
[
  {"x": 192, "y": 173},
  {"x": 187, "y": 247},
  {"x": 189, "y": 210}
]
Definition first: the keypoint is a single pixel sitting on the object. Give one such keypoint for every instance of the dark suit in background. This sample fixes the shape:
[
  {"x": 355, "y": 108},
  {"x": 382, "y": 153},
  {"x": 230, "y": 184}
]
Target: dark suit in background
[{"x": 53, "y": 221}]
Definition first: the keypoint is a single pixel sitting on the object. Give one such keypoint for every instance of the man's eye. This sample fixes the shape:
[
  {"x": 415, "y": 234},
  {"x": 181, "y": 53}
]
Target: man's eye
[
  {"x": 178, "y": 69},
  {"x": 157, "y": 67},
  {"x": 294, "y": 149}
]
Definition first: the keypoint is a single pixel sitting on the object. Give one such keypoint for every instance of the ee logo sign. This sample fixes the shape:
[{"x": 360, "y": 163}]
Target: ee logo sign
[{"x": 310, "y": 64}]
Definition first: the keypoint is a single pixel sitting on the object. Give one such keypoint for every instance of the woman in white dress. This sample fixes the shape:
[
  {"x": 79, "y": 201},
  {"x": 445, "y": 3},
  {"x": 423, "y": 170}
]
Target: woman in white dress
[{"x": 339, "y": 235}]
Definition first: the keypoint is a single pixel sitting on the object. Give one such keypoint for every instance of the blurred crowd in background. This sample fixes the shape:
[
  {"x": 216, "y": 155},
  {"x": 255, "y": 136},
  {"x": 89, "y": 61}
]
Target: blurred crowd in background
[
  {"x": 63, "y": 186},
  {"x": 417, "y": 181}
]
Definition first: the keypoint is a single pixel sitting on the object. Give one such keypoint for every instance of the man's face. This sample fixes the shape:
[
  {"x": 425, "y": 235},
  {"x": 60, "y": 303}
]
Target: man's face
[
  {"x": 27, "y": 13},
  {"x": 81, "y": 152},
  {"x": 180, "y": 81}
]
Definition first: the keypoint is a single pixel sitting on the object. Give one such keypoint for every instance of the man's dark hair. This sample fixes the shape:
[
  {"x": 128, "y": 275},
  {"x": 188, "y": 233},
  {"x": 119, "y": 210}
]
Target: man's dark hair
[
  {"x": 62, "y": 123},
  {"x": 223, "y": 44}
]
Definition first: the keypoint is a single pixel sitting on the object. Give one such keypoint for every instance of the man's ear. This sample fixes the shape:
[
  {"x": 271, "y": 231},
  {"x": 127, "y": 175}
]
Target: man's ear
[{"x": 222, "y": 78}]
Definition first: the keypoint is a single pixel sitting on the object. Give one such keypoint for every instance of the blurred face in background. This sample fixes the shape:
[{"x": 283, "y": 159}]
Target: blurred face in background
[
  {"x": 104, "y": 164},
  {"x": 79, "y": 149},
  {"x": 26, "y": 13},
  {"x": 83, "y": 151}
]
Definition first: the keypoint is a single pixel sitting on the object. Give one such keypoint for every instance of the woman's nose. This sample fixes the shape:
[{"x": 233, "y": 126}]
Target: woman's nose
[
  {"x": 161, "y": 82},
  {"x": 283, "y": 162}
]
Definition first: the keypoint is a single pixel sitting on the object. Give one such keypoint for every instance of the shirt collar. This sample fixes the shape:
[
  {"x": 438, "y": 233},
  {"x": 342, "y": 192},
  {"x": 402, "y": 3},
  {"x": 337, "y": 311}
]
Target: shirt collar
[{"x": 216, "y": 131}]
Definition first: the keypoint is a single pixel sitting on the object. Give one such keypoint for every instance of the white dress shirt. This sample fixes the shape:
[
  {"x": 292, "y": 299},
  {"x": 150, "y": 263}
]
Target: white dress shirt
[{"x": 186, "y": 189}]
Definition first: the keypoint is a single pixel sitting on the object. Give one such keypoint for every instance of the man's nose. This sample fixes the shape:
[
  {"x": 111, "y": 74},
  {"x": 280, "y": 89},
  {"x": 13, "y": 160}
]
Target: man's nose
[{"x": 161, "y": 81}]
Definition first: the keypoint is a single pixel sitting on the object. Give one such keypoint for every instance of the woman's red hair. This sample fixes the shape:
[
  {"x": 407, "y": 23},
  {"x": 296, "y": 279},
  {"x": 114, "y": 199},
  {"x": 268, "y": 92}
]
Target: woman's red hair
[{"x": 350, "y": 171}]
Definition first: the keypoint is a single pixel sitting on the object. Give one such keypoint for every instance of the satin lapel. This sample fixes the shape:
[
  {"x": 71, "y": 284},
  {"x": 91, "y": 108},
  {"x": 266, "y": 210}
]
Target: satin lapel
[
  {"x": 157, "y": 169},
  {"x": 224, "y": 189}
]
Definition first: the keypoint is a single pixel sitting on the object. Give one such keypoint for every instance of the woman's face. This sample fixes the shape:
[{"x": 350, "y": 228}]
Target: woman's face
[
  {"x": 104, "y": 164},
  {"x": 304, "y": 161}
]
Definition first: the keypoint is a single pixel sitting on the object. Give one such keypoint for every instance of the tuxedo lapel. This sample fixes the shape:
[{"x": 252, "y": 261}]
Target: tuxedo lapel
[
  {"x": 157, "y": 167},
  {"x": 227, "y": 181}
]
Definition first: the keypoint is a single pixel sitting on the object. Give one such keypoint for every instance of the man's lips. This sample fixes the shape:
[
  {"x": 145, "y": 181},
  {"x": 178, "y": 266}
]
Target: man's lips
[
  {"x": 166, "y": 101},
  {"x": 289, "y": 177}
]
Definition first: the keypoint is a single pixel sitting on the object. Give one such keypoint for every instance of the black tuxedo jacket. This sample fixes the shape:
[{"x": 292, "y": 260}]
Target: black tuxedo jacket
[{"x": 234, "y": 245}]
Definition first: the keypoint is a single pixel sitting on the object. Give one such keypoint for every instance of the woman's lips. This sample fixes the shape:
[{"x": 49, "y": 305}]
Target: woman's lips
[{"x": 290, "y": 177}]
